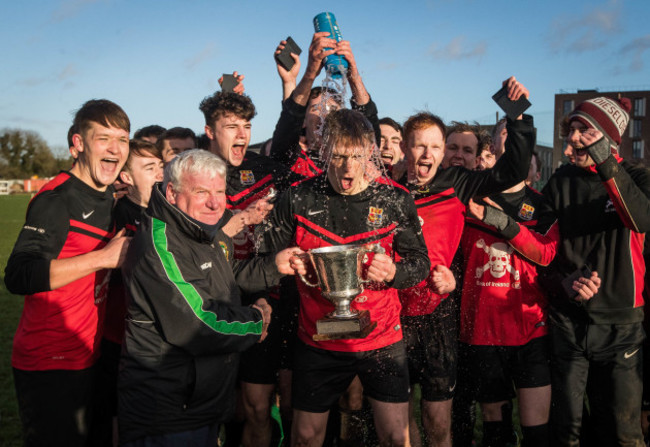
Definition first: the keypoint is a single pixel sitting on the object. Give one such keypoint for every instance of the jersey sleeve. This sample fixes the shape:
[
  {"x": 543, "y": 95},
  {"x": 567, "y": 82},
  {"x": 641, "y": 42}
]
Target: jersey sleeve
[
  {"x": 281, "y": 227},
  {"x": 629, "y": 189},
  {"x": 369, "y": 110},
  {"x": 409, "y": 244},
  {"x": 39, "y": 242},
  {"x": 285, "y": 149},
  {"x": 509, "y": 170}
]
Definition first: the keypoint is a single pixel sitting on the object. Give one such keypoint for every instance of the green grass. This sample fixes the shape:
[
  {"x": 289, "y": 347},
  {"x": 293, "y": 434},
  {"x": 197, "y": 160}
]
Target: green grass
[{"x": 12, "y": 218}]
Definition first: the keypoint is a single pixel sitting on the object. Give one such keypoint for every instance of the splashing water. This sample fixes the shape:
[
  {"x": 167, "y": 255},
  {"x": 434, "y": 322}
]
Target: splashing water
[{"x": 336, "y": 90}]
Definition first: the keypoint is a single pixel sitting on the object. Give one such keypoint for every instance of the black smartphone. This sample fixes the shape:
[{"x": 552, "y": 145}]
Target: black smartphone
[
  {"x": 229, "y": 83},
  {"x": 567, "y": 283},
  {"x": 284, "y": 57},
  {"x": 512, "y": 108}
]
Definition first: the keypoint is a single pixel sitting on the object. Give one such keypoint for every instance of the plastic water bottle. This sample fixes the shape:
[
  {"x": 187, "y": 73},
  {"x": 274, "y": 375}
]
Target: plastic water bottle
[{"x": 334, "y": 64}]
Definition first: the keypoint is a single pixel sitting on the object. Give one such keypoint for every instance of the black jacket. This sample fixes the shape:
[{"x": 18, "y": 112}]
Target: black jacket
[
  {"x": 184, "y": 326},
  {"x": 603, "y": 214}
]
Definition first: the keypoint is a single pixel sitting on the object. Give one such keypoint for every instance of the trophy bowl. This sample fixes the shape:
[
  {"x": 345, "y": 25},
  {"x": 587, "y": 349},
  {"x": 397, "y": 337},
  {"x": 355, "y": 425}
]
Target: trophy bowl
[{"x": 338, "y": 269}]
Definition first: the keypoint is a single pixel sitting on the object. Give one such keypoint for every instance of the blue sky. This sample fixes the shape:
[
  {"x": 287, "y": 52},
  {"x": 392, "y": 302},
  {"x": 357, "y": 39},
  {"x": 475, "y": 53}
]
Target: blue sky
[{"x": 159, "y": 59}]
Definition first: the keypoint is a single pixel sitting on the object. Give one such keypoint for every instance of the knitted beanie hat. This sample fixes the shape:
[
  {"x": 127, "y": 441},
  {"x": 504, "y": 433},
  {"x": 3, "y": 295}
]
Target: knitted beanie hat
[{"x": 610, "y": 116}]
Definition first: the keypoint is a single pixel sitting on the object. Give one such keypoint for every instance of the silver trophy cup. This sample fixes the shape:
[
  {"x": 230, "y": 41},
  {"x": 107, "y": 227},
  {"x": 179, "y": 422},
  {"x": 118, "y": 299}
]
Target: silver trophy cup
[{"x": 338, "y": 269}]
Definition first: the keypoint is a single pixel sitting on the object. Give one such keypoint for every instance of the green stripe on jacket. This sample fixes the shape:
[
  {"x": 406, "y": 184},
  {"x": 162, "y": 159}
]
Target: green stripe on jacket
[{"x": 189, "y": 293}]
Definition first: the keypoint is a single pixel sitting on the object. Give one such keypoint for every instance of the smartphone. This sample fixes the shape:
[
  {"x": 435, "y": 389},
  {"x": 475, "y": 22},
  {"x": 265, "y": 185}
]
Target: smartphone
[
  {"x": 567, "y": 283},
  {"x": 512, "y": 108},
  {"x": 229, "y": 83},
  {"x": 284, "y": 57}
]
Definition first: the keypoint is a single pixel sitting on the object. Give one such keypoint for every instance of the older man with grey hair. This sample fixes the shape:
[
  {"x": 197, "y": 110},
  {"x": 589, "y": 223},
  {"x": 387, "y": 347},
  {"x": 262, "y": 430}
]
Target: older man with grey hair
[{"x": 185, "y": 324}]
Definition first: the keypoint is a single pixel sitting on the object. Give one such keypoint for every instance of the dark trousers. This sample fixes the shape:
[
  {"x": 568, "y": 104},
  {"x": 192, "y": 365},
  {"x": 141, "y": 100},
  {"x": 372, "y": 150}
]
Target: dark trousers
[
  {"x": 605, "y": 361},
  {"x": 201, "y": 437},
  {"x": 54, "y": 406}
]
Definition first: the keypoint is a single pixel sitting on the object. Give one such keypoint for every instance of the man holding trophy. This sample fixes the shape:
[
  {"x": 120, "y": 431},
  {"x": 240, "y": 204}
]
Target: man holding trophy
[{"x": 357, "y": 227}]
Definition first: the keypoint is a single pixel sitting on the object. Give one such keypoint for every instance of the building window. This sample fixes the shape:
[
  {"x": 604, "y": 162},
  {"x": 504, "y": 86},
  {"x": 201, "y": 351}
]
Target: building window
[
  {"x": 639, "y": 107},
  {"x": 637, "y": 149},
  {"x": 635, "y": 129},
  {"x": 567, "y": 107}
]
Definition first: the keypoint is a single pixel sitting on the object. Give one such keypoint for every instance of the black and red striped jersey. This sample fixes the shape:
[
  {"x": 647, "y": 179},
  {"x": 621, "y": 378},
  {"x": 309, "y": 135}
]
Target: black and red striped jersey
[
  {"x": 311, "y": 214},
  {"x": 245, "y": 184},
  {"x": 60, "y": 329}
]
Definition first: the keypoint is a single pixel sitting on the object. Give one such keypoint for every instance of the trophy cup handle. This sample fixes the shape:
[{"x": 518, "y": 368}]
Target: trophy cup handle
[
  {"x": 304, "y": 279},
  {"x": 374, "y": 248},
  {"x": 307, "y": 282}
]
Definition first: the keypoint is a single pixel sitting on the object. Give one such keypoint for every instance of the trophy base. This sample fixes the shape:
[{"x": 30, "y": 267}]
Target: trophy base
[{"x": 329, "y": 328}]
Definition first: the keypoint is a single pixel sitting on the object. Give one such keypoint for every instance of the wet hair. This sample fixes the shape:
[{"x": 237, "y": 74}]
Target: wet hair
[
  {"x": 141, "y": 148},
  {"x": 225, "y": 103},
  {"x": 149, "y": 131},
  {"x": 103, "y": 112},
  {"x": 193, "y": 162},
  {"x": 315, "y": 92},
  {"x": 180, "y": 133},
  {"x": 392, "y": 123},
  {"x": 423, "y": 120},
  {"x": 348, "y": 128}
]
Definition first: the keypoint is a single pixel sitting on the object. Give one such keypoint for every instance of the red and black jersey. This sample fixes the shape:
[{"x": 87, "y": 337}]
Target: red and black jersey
[
  {"x": 502, "y": 303},
  {"x": 127, "y": 214},
  {"x": 441, "y": 207},
  {"x": 311, "y": 214},
  {"x": 442, "y": 216},
  {"x": 60, "y": 329},
  {"x": 247, "y": 183}
]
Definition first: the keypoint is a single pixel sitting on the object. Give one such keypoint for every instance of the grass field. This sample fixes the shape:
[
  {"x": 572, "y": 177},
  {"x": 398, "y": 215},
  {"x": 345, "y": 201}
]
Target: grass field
[{"x": 12, "y": 217}]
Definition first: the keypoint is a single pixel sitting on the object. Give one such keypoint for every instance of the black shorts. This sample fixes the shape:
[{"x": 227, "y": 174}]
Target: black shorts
[
  {"x": 54, "y": 406},
  {"x": 496, "y": 368},
  {"x": 320, "y": 377},
  {"x": 432, "y": 351},
  {"x": 261, "y": 362}
]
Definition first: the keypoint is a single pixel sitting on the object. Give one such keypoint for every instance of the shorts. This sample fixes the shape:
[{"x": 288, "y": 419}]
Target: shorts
[
  {"x": 261, "y": 362},
  {"x": 432, "y": 351},
  {"x": 54, "y": 406},
  {"x": 320, "y": 377},
  {"x": 497, "y": 368}
]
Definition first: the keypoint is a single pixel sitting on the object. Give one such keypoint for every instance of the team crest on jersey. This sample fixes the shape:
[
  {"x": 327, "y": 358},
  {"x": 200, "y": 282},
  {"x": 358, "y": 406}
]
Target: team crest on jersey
[
  {"x": 375, "y": 216},
  {"x": 246, "y": 177},
  {"x": 224, "y": 248},
  {"x": 526, "y": 211}
]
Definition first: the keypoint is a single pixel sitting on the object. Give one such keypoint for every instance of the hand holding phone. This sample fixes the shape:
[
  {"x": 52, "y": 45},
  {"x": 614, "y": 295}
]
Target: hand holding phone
[
  {"x": 284, "y": 57},
  {"x": 513, "y": 109},
  {"x": 228, "y": 83}
]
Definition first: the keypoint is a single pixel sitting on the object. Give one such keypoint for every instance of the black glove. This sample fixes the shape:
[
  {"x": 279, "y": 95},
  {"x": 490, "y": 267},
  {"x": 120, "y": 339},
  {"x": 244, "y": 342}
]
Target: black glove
[
  {"x": 599, "y": 151},
  {"x": 495, "y": 218}
]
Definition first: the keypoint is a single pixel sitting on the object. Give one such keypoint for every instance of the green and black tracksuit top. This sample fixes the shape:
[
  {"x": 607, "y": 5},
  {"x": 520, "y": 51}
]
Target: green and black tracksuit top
[{"x": 185, "y": 324}]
